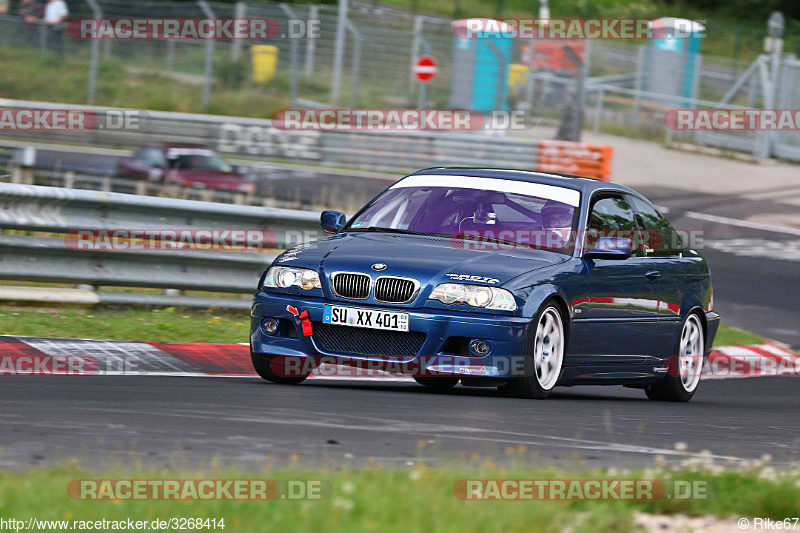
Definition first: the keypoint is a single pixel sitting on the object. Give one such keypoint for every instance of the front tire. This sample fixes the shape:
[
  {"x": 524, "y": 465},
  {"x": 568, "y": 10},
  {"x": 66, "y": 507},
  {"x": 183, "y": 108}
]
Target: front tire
[
  {"x": 544, "y": 357},
  {"x": 268, "y": 367},
  {"x": 690, "y": 358}
]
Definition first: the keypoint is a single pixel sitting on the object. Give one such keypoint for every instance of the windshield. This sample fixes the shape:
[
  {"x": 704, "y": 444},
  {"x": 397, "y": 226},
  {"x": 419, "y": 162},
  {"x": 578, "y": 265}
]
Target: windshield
[
  {"x": 540, "y": 216},
  {"x": 200, "y": 162}
]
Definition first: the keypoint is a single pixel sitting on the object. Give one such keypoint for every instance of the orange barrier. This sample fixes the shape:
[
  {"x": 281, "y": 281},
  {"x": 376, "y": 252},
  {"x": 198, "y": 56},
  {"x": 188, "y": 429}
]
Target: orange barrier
[{"x": 582, "y": 159}]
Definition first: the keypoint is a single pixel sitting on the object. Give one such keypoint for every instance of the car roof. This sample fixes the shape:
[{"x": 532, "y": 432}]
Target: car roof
[
  {"x": 580, "y": 183},
  {"x": 167, "y": 146}
]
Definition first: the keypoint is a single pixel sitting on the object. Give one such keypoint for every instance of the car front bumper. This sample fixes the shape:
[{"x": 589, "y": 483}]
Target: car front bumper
[{"x": 505, "y": 335}]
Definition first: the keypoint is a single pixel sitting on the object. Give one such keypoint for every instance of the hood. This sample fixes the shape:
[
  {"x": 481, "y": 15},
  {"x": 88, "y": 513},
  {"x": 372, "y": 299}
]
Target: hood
[{"x": 428, "y": 259}]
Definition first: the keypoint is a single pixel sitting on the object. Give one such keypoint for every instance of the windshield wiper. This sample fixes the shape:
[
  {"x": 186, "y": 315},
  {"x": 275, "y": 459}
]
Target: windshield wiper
[{"x": 377, "y": 229}]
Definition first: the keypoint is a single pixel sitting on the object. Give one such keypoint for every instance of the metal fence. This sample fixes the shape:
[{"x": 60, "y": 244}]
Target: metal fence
[
  {"x": 378, "y": 46},
  {"x": 52, "y": 213}
]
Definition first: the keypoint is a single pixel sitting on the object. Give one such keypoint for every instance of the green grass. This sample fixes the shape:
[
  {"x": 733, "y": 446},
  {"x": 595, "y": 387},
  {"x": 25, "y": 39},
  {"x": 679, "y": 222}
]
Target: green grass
[
  {"x": 178, "y": 325},
  {"x": 729, "y": 335},
  {"x": 416, "y": 498},
  {"x": 144, "y": 325},
  {"x": 27, "y": 75}
]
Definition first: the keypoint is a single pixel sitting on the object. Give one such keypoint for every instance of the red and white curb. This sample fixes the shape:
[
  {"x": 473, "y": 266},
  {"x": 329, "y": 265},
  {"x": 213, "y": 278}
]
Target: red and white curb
[{"x": 47, "y": 356}]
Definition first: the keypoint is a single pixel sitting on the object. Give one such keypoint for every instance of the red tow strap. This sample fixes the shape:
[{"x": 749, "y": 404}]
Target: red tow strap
[{"x": 305, "y": 320}]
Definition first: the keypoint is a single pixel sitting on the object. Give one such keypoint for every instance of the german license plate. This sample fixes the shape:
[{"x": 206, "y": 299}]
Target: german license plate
[{"x": 364, "y": 318}]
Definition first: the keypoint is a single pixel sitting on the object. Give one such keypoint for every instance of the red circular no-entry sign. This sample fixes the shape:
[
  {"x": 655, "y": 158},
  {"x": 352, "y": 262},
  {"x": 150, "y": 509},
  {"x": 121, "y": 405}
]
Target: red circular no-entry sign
[{"x": 425, "y": 69}]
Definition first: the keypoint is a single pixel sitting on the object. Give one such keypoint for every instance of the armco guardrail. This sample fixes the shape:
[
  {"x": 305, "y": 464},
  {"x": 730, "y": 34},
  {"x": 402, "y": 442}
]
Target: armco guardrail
[
  {"x": 59, "y": 211},
  {"x": 396, "y": 151}
]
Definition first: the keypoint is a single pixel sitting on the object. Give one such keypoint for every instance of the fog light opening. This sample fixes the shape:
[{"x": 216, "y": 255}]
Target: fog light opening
[
  {"x": 479, "y": 347},
  {"x": 270, "y": 326}
]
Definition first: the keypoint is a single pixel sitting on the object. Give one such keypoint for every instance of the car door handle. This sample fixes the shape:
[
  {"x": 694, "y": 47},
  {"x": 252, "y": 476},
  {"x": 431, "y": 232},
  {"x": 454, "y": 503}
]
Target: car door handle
[{"x": 653, "y": 275}]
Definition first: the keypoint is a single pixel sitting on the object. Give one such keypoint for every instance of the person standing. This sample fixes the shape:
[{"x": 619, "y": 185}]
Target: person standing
[
  {"x": 55, "y": 16},
  {"x": 31, "y": 11},
  {"x": 3, "y": 11}
]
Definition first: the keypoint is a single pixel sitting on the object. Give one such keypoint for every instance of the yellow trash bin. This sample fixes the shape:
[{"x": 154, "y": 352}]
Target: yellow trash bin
[
  {"x": 516, "y": 75},
  {"x": 265, "y": 59}
]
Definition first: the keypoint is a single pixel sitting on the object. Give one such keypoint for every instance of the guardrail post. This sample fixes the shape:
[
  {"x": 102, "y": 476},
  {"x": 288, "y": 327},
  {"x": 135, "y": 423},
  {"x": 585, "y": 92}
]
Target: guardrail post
[
  {"x": 170, "y": 55},
  {"x": 601, "y": 95},
  {"x": 311, "y": 42},
  {"x": 356, "y": 66},
  {"x": 209, "y": 67},
  {"x": 236, "y": 49},
  {"x": 338, "y": 53},
  {"x": 98, "y": 13},
  {"x": 290, "y": 15},
  {"x": 423, "y": 87},
  {"x": 775, "y": 63},
  {"x": 415, "y": 43},
  {"x": 637, "y": 96}
]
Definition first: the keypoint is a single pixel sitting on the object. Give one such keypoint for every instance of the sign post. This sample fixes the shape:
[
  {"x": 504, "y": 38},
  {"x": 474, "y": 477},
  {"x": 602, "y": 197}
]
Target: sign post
[{"x": 425, "y": 70}]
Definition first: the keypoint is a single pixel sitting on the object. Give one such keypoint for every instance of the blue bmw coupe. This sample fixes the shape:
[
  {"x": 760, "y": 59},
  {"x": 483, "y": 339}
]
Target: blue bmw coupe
[{"x": 495, "y": 278}]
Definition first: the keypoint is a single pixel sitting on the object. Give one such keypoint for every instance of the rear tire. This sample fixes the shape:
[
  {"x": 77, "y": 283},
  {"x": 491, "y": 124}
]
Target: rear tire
[
  {"x": 266, "y": 366},
  {"x": 544, "y": 357},
  {"x": 690, "y": 350},
  {"x": 440, "y": 383}
]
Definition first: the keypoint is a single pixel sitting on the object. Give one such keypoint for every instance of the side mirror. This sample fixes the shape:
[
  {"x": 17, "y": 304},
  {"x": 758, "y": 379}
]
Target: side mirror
[
  {"x": 332, "y": 221},
  {"x": 610, "y": 248}
]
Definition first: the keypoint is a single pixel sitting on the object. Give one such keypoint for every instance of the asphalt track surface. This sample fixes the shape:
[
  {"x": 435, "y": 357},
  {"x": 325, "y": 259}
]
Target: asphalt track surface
[
  {"x": 182, "y": 421},
  {"x": 243, "y": 420}
]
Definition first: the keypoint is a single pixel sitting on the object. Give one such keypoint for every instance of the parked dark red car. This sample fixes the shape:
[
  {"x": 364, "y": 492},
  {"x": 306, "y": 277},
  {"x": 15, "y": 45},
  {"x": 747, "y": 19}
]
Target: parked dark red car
[{"x": 186, "y": 165}]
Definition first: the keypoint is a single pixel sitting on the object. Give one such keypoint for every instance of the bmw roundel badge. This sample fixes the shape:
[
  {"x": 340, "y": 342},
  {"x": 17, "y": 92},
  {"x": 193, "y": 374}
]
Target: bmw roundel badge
[{"x": 379, "y": 266}]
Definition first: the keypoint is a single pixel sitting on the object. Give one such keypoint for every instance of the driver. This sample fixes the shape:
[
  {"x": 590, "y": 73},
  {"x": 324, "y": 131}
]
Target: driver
[{"x": 558, "y": 219}]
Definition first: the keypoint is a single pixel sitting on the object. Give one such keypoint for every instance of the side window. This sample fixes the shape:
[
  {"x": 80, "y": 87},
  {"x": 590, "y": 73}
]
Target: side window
[
  {"x": 662, "y": 239},
  {"x": 154, "y": 158},
  {"x": 140, "y": 155},
  {"x": 611, "y": 216}
]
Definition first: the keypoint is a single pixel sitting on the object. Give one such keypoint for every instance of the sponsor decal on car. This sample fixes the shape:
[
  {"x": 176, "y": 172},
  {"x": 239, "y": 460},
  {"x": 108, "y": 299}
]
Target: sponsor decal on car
[{"x": 471, "y": 277}]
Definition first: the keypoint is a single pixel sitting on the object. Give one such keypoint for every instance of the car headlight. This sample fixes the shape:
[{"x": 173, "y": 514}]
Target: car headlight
[
  {"x": 475, "y": 296},
  {"x": 284, "y": 277},
  {"x": 247, "y": 187}
]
